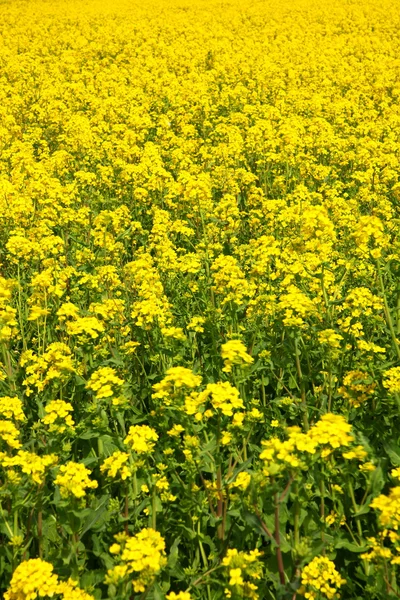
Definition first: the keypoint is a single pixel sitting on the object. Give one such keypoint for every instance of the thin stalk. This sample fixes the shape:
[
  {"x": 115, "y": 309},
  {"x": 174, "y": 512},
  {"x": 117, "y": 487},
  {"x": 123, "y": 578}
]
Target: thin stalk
[
  {"x": 154, "y": 509},
  {"x": 398, "y": 313},
  {"x": 355, "y": 507},
  {"x": 263, "y": 396},
  {"x": 322, "y": 512},
  {"x": 126, "y": 510},
  {"x": 263, "y": 525},
  {"x": 220, "y": 504},
  {"x": 21, "y": 320},
  {"x": 296, "y": 516},
  {"x": 279, "y": 558},
  {"x": 40, "y": 532},
  {"x": 302, "y": 386},
  {"x": 200, "y": 579},
  {"x": 388, "y": 316},
  {"x": 204, "y": 558}
]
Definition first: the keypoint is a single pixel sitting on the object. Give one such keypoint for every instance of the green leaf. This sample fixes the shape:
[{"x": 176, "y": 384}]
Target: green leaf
[
  {"x": 173, "y": 553},
  {"x": 363, "y": 510},
  {"x": 88, "y": 435},
  {"x": 377, "y": 481},
  {"x": 96, "y": 514},
  {"x": 393, "y": 452},
  {"x": 254, "y": 522},
  {"x": 350, "y": 546}
]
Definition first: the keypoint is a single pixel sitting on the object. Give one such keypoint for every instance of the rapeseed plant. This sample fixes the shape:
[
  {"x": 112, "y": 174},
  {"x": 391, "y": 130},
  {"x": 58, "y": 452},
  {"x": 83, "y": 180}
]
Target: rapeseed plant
[{"x": 199, "y": 300}]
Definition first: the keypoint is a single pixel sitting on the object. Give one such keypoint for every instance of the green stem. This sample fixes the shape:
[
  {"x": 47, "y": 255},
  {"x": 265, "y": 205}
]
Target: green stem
[
  {"x": 302, "y": 386},
  {"x": 279, "y": 557},
  {"x": 322, "y": 512},
  {"x": 355, "y": 507},
  {"x": 154, "y": 508},
  {"x": 296, "y": 518},
  {"x": 126, "y": 510},
  {"x": 388, "y": 316}
]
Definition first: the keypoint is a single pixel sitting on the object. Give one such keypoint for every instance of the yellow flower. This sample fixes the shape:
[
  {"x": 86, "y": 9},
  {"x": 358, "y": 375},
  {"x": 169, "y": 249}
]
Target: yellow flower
[
  {"x": 391, "y": 380},
  {"x": 389, "y": 508},
  {"x": 234, "y": 353},
  {"x": 11, "y": 408},
  {"x": 73, "y": 479},
  {"x": 222, "y": 395},
  {"x": 242, "y": 481},
  {"x": 9, "y": 434},
  {"x": 226, "y": 438},
  {"x": 115, "y": 549},
  {"x": 57, "y": 416},
  {"x": 31, "y": 464},
  {"x": 32, "y": 579},
  {"x": 243, "y": 568},
  {"x": 357, "y": 387},
  {"x": 332, "y": 430},
  {"x": 395, "y": 473},
  {"x": 141, "y": 439},
  {"x": 37, "y": 312},
  {"x": 320, "y": 577},
  {"x": 179, "y": 596},
  {"x": 236, "y": 577},
  {"x": 89, "y": 327},
  {"x": 176, "y": 430},
  {"x": 56, "y": 363},
  {"x": 115, "y": 466},
  {"x": 196, "y": 324},
  {"x": 142, "y": 557},
  {"x": 230, "y": 281},
  {"x": 175, "y": 379},
  {"x": 104, "y": 382},
  {"x": 330, "y": 338}
]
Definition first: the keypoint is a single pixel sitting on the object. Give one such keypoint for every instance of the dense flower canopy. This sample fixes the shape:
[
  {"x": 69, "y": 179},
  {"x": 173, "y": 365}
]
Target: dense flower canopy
[{"x": 199, "y": 299}]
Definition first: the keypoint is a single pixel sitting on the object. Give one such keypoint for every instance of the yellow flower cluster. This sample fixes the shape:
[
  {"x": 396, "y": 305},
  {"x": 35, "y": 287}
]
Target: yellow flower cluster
[
  {"x": 141, "y": 439},
  {"x": 389, "y": 508},
  {"x": 30, "y": 463},
  {"x": 73, "y": 479},
  {"x": 357, "y": 387},
  {"x": 115, "y": 466},
  {"x": 34, "y": 578},
  {"x": 244, "y": 568},
  {"x": 56, "y": 364},
  {"x": 296, "y": 306},
  {"x": 8, "y": 314},
  {"x": 320, "y": 579},
  {"x": 142, "y": 558},
  {"x": 151, "y": 305},
  {"x": 11, "y": 408},
  {"x": 196, "y": 324},
  {"x": 234, "y": 353},
  {"x": 104, "y": 382},
  {"x": 222, "y": 396},
  {"x": 380, "y": 551},
  {"x": 230, "y": 281},
  {"x": 242, "y": 481},
  {"x": 199, "y": 244},
  {"x": 58, "y": 417},
  {"x": 175, "y": 379},
  {"x": 391, "y": 380},
  {"x": 9, "y": 434},
  {"x": 330, "y": 433}
]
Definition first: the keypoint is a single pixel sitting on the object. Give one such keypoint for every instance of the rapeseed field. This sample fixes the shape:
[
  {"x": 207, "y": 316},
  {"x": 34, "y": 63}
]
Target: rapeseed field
[{"x": 199, "y": 299}]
